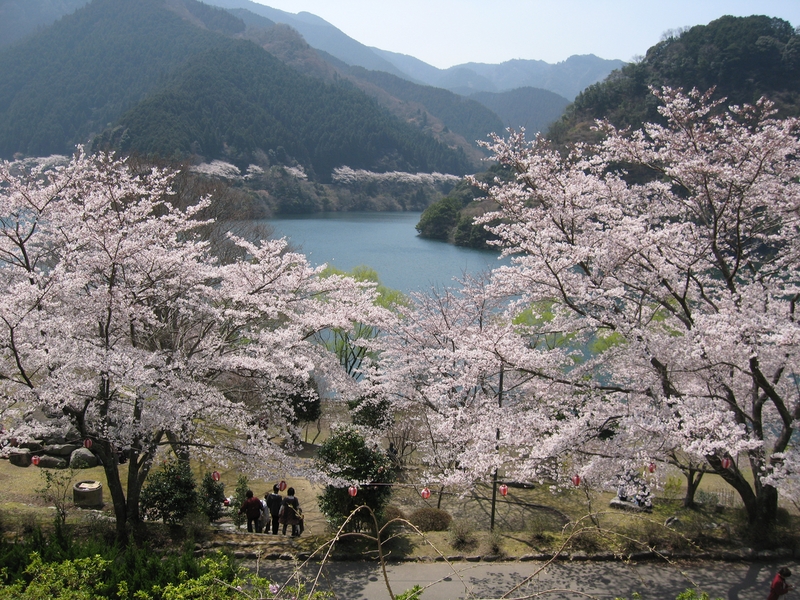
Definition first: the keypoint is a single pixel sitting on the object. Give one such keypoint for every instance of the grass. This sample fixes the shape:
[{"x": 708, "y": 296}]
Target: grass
[{"x": 527, "y": 521}]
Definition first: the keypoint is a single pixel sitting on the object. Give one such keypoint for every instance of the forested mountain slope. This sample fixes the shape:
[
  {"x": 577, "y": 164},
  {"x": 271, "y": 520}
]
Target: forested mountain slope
[
  {"x": 238, "y": 100},
  {"x": 66, "y": 83},
  {"x": 168, "y": 77},
  {"x": 743, "y": 57},
  {"x": 532, "y": 108}
]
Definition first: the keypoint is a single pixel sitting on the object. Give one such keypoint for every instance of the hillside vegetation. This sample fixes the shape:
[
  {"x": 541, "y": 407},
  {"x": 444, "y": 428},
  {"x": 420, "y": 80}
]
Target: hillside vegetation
[
  {"x": 169, "y": 79},
  {"x": 744, "y": 58}
]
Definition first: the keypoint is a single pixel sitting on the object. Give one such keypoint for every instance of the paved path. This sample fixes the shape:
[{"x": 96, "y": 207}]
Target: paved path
[{"x": 601, "y": 580}]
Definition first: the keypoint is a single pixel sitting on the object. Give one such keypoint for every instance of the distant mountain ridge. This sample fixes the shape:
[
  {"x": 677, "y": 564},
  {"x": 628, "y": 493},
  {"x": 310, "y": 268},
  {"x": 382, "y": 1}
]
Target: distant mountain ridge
[
  {"x": 566, "y": 78},
  {"x": 19, "y": 18}
]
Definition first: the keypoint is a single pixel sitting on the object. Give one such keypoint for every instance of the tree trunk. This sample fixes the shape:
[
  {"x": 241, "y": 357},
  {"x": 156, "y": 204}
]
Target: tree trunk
[{"x": 693, "y": 478}]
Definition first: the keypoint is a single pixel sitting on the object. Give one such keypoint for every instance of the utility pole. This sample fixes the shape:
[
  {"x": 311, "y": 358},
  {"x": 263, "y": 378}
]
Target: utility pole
[{"x": 496, "y": 447}]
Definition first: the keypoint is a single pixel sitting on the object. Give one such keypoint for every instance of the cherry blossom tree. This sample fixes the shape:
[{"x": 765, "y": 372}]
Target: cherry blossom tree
[
  {"x": 673, "y": 253},
  {"x": 116, "y": 317}
]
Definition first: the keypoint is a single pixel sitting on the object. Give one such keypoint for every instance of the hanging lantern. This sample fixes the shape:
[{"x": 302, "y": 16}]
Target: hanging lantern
[
  {"x": 576, "y": 480},
  {"x": 425, "y": 493},
  {"x": 35, "y": 460},
  {"x": 282, "y": 485},
  {"x": 215, "y": 476},
  {"x": 87, "y": 443},
  {"x": 651, "y": 467},
  {"x": 726, "y": 462},
  {"x": 352, "y": 490},
  {"x": 503, "y": 489}
]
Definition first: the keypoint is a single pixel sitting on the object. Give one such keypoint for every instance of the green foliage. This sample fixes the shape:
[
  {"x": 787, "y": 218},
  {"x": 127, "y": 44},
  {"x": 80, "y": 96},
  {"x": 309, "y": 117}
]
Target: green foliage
[
  {"x": 57, "y": 490},
  {"x": 135, "y": 568},
  {"x": 170, "y": 493},
  {"x": 415, "y": 593},
  {"x": 346, "y": 456},
  {"x": 743, "y": 57},
  {"x": 429, "y": 518},
  {"x": 211, "y": 497},
  {"x": 239, "y": 496},
  {"x": 79, "y": 579},
  {"x": 371, "y": 411},
  {"x": 451, "y": 218}
]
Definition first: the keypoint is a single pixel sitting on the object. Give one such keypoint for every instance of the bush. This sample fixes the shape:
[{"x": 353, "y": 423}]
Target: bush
[
  {"x": 346, "y": 455},
  {"x": 431, "y": 519},
  {"x": 494, "y": 544},
  {"x": 170, "y": 493},
  {"x": 212, "y": 497},
  {"x": 239, "y": 496},
  {"x": 462, "y": 535}
]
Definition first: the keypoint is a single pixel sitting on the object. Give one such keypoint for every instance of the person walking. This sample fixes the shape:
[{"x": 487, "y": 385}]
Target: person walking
[
  {"x": 252, "y": 508},
  {"x": 274, "y": 501},
  {"x": 779, "y": 586},
  {"x": 291, "y": 514}
]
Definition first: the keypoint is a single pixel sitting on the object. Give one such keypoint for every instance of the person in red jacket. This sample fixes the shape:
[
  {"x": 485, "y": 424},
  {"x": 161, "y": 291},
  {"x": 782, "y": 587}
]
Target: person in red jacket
[
  {"x": 252, "y": 508},
  {"x": 779, "y": 586}
]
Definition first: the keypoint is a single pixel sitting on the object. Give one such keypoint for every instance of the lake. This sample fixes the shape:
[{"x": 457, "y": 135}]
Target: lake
[{"x": 384, "y": 241}]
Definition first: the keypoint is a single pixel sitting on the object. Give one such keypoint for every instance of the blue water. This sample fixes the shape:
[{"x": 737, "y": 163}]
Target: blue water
[{"x": 386, "y": 242}]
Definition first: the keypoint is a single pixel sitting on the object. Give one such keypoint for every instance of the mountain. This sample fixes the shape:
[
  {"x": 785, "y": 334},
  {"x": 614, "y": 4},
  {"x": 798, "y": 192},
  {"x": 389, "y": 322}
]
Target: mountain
[
  {"x": 532, "y": 108},
  {"x": 168, "y": 77},
  {"x": 66, "y": 83},
  {"x": 319, "y": 33},
  {"x": 566, "y": 78},
  {"x": 19, "y": 18},
  {"x": 743, "y": 58}
]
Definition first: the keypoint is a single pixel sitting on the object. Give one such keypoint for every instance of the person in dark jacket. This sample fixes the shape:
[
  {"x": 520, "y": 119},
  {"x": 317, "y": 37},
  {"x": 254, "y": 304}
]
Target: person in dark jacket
[
  {"x": 274, "y": 501},
  {"x": 291, "y": 514},
  {"x": 252, "y": 508}
]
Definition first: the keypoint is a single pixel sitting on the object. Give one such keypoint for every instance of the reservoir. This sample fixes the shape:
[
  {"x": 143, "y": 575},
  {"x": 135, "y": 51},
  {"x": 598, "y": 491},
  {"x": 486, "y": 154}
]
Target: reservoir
[{"x": 386, "y": 242}]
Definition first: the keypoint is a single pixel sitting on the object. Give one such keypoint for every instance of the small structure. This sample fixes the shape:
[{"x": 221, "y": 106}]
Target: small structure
[{"x": 88, "y": 494}]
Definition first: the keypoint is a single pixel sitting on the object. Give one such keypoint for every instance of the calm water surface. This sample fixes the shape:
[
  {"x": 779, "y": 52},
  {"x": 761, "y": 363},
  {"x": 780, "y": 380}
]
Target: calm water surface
[{"x": 386, "y": 242}]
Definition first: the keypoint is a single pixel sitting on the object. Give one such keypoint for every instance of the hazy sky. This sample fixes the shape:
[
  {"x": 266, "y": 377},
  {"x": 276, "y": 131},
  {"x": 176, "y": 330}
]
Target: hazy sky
[{"x": 448, "y": 32}]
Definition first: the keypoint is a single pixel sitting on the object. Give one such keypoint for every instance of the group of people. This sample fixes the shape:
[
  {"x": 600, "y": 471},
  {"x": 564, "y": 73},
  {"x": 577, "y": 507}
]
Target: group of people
[{"x": 273, "y": 511}]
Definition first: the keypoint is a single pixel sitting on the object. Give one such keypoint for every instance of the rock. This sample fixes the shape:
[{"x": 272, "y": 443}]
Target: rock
[
  {"x": 32, "y": 445},
  {"x": 48, "y": 461},
  {"x": 82, "y": 458},
  {"x": 20, "y": 457},
  {"x": 60, "y": 449}
]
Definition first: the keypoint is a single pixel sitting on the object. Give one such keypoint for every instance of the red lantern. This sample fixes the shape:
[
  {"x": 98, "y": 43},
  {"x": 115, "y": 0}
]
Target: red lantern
[
  {"x": 87, "y": 443},
  {"x": 215, "y": 476},
  {"x": 726, "y": 463},
  {"x": 282, "y": 485},
  {"x": 651, "y": 467},
  {"x": 576, "y": 480},
  {"x": 352, "y": 490},
  {"x": 35, "y": 460},
  {"x": 503, "y": 489},
  {"x": 425, "y": 493}
]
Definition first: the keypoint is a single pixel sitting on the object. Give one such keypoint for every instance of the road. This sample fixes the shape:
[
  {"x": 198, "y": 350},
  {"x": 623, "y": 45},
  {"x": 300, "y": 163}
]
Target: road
[{"x": 561, "y": 580}]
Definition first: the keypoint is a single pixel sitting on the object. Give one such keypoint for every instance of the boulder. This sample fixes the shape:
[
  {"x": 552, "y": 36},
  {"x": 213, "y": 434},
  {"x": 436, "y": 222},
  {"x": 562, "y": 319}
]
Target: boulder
[
  {"x": 48, "y": 461},
  {"x": 61, "y": 449},
  {"x": 20, "y": 457},
  {"x": 82, "y": 458},
  {"x": 32, "y": 445}
]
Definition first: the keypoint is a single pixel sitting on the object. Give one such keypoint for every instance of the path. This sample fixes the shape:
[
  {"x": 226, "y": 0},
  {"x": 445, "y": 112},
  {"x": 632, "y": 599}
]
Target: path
[{"x": 601, "y": 580}]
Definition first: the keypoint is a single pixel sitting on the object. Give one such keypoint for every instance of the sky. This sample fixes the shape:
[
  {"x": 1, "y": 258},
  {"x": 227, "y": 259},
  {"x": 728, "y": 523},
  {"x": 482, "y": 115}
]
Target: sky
[{"x": 444, "y": 33}]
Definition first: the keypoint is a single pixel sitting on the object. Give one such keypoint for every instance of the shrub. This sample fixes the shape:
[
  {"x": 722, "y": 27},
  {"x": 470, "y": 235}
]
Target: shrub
[
  {"x": 346, "y": 455},
  {"x": 212, "y": 497},
  {"x": 428, "y": 518},
  {"x": 494, "y": 543},
  {"x": 462, "y": 535},
  {"x": 239, "y": 496},
  {"x": 170, "y": 493}
]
